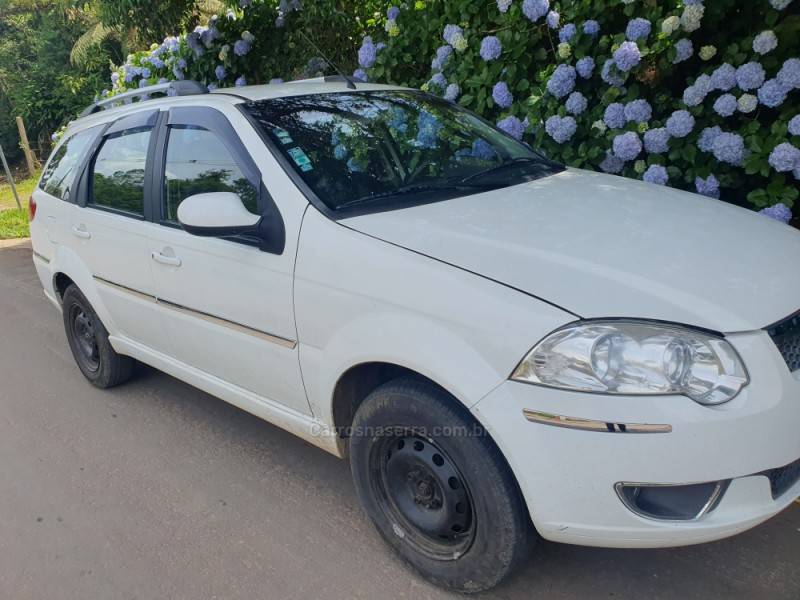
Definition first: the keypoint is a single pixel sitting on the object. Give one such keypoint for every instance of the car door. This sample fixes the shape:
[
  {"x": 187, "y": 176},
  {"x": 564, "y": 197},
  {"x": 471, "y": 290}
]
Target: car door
[
  {"x": 109, "y": 229},
  {"x": 229, "y": 306}
]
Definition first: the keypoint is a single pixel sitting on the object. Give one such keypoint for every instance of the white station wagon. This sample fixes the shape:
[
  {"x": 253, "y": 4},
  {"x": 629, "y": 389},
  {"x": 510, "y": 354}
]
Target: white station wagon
[{"x": 505, "y": 348}]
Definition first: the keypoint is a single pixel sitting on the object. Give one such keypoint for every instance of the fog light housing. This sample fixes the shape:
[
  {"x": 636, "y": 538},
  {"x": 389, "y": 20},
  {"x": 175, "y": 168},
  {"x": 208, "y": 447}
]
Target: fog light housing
[{"x": 667, "y": 502}]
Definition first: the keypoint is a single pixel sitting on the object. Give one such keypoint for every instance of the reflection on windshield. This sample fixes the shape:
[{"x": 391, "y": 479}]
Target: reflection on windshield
[{"x": 354, "y": 148}]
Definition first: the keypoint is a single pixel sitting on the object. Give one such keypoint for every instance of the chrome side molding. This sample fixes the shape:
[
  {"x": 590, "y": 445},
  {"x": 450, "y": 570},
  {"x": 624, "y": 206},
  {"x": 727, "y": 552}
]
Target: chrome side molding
[{"x": 544, "y": 418}]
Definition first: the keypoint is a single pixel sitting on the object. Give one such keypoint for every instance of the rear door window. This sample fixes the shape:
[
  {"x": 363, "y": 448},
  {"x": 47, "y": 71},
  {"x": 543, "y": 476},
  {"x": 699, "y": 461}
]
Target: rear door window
[
  {"x": 60, "y": 173},
  {"x": 118, "y": 173}
]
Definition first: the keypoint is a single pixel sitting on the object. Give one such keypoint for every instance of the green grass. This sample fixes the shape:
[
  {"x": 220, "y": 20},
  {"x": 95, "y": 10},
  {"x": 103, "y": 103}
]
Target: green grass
[{"x": 24, "y": 189}]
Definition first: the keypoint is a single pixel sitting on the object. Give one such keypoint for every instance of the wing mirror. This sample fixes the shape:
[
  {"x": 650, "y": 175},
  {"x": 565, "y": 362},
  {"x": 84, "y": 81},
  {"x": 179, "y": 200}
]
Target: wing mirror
[{"x": 217, "y": 214}]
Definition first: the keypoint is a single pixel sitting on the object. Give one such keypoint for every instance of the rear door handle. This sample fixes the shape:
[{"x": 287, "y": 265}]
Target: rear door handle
[
  {"x": 172, "y": 261},
  {"x": 80, "y": 231}
]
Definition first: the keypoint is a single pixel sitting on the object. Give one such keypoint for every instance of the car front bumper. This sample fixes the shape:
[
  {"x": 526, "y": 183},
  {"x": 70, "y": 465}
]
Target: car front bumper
[{"x": 568, "y": 475}]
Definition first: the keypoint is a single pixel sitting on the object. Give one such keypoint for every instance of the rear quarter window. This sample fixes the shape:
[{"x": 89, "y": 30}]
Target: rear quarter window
[{"x": 61, "y": 170}]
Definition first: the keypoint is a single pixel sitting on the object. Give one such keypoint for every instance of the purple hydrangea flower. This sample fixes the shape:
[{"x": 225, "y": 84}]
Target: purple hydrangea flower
[
  {"x": 723, "y": 78},
  {"x": 503, "y": 5},
  {"x": 450, "y": 31},
  {"x": 794, "y": 125},
  {"x": 241, "y": 47},
  {"x": 706, "y": 140},
  {"x": 656, "y": 141},
  {"x": 638, "y": 111},
  {"x": 452, "y": 92},
  {"x": 627, "y": 146},
  {"x": 627, "y": 56},
  {"x": 683, "y": 50},
  {"x": 393, "y": 13},
  {"x": 680, "y": 123},
  {"x": 428, "y": 128},
  {"x": 501, "y": 95},
  {"x": 567, "y": 32},
  {"x": 614, "y": 115},
  {"x": 784, "y": 158},
  {"x": 611, "y": 75},
  {"x": 576, "y": 103},
  {"x": 611, "y": 164},
  {"x": 512, "y": 126},
  {"x": 144, "y": 72},
  {"x": 765, "y": 42},
  {"x": 220, "y": 72},
  {"x": 360, "y": 75},
  {"x": 241, "y": 81},
  {"x": 491, "y": 48},
  {"x": 772, "y": 93},
  {"x": 561, "y": 129},
  {"x": 482, "y": 150},
  {"x": 656, "y": 174},
  {"x": 789, "y": 75},
  {"x": 707, "y": 187},
  {"x": 535, "y": 9},
  {"x": 562, "y": 81},
  {"x": 443, "y": 54},
  {"x": 439, "y": 80},
  {"x": 725, "y": 105},
  {"x": 750, "y": 76},
  {"x": 729, "y": 148},
  {"x": 591, "y": 27},
  {"x": 553, "y": 19},
  {"x": 637, "y": 29},
  {"x": 585, "y": 66},
  {"x": 693, "y": 95},
  {"x": 779, "y": 212},
  {"x": 367, "y": 54},
  {"x": 114, "y": 78}
]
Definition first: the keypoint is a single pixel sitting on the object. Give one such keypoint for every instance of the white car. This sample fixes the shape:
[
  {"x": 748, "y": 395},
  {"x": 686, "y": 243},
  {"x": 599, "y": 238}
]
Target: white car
[{"x": 502, "y": 346}]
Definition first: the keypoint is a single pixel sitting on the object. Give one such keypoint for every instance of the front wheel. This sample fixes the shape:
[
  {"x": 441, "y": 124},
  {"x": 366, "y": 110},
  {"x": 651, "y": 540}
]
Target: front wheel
[{"x": 437, "y": 488}]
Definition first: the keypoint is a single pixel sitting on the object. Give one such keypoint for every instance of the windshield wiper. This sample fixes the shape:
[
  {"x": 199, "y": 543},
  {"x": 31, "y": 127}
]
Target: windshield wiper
[
  {"x": 419, "y": 188},
  {"x": 503, "y": 165}
]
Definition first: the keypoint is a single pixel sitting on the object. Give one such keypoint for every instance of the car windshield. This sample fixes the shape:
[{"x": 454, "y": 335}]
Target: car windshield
[{"x": 389, "y": 149}]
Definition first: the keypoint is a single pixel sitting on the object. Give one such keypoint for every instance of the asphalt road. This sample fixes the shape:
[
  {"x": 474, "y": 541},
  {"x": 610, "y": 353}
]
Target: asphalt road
[{"x": 157, "y": 490}]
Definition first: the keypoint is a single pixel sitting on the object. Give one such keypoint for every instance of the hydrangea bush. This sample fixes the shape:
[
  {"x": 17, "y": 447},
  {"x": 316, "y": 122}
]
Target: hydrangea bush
[{"x": 704, "y": 97}]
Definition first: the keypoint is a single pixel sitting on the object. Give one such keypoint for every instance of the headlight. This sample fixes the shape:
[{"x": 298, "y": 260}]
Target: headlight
[{"x": 619, "y": 357}]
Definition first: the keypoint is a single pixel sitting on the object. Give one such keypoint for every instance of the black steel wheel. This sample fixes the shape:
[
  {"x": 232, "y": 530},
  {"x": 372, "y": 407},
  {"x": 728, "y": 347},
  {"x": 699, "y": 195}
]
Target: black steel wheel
[{"x": 85, "y": 335}]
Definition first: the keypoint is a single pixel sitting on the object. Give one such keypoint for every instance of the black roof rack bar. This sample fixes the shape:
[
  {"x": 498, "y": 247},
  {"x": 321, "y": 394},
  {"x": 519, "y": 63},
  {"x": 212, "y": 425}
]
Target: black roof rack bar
[{"x": 178, "y": 88}]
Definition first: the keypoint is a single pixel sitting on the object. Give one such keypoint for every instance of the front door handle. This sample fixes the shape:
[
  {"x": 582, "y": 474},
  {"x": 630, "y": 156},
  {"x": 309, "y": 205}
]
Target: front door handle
[
  {"x": 172, "y": 261},
  {"x": 80, "y": 231}
]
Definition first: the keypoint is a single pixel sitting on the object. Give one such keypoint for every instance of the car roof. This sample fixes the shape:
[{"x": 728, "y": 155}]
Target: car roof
[{"x": 301, "y": 88}]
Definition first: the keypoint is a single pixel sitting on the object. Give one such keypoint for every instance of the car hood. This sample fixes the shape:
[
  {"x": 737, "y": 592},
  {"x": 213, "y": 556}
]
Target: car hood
[{"x": 604, "y": 246}]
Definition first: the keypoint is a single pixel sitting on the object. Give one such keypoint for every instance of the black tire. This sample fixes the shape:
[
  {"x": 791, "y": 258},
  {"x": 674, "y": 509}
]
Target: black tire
[
  {"x": 410, "y": 440},
  {"x": 88, "y": 340}
]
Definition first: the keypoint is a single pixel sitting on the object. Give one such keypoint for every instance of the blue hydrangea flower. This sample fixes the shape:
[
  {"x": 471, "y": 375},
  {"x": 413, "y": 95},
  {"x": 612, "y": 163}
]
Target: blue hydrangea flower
[
  {"x": 656, "y": 174},
  {"x": 428, "y": 128},
  {"x": 729, "y": 148},
  {"x": 561, "y": 129},
  {"x": 503, "y": 5},
  {"x": 512, "y": 126},
  {"x": 399, "y": 121},
  {"x": 439, "y": 81},
  {"x": 193, "y": 41},
  {"x": 614, "y": 115},
  {"x": 280, "y": 22},
  {"x": 450, "y": 32},
  {"x": 772, "y": 93},
  {"x": 220, "y": 72},
  {"x": 241, "y": 47},
  {"x": 501, "y": 95},
  {"x": 725, "y": 105},
  {"x": 367, "y": 54},
  {"x": 789, "y": 75},
  {"x": 212, "y": 86},
  {"x": 656, "y": 141},
  {"x": 683, "y": 50},
  {"x": 241, "y": 81},
  {"x": 114, "y": 78},
  {"x": 585, "y": 66},
  {"x": 707, "y": 187},
  {"x": 724, "y": 77},
  {"x": 393, "y": 13},
  {"x": 491, "y": 48},
  {"x": 680, "y": 123},
  {"x": 145, "y": 72},
  {"x": 452, "y": 92},
  {"x": 591, "y": 28},
  {"x": 339, "y": 152},
  {"x": 360, "y": 75},
  {"x": 627, "y": 56},
  {"x": 706, "y": 140},
  {"x": 181, "y": 64},
  {"x": 784, "y": 157},
  {"x": 553, "y": 19},
  {"x": 750, "y": 76},
  {"x": 794, "y": 125},
  {"x": 380, "y": 46},
  {"x": 443, "y": 54},
  {"x": 567, "y": 32},
  {"x": 779, "y": 212},
  {"x": 483, "y": 150},
  {"x": 692, "y": 96},
  {"x": 627, "y": 146},
  {"x": 638, "y": 111},
  {"x": 765, "y": 42},
  {"x": 562, "y": 81},
  {"x": 780, "y": 4},
  {"x": 611, "y": 164},
  {"x": 637, "y": 29},
  {"x": 535, "y": 9},
  {"x": 576, "y": 103},
  {"x": 611, "y": 75}
]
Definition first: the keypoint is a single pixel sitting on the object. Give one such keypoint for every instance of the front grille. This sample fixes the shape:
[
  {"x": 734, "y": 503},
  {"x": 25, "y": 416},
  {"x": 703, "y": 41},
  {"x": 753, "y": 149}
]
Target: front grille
[
  {"x": 786, "y": 336},
  {"x": 783, "y": 478}
]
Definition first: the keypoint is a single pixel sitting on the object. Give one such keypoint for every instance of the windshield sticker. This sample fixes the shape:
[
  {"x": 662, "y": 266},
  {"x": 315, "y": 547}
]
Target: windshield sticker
[
  {"x": 282, "y": 135},
  {"x": 300, "y": 158}
]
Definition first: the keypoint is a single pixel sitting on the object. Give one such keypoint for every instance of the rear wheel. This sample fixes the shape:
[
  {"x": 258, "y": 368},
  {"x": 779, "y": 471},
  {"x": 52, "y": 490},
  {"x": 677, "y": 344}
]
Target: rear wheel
[
  {"x": 88, "y": 340},
  {"x": 437, "y": 488}
]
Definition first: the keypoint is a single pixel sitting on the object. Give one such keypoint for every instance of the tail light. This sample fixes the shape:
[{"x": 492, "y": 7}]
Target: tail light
[{"x": 31, "y": 209}]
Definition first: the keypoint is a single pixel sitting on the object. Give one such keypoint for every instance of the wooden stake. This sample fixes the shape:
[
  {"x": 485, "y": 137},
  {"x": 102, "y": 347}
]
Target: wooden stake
[{"x": 26, "y": 147}]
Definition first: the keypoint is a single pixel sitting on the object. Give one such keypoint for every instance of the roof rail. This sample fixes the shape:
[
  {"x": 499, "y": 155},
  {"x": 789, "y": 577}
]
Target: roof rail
[{"x": 171, "y": 88}]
